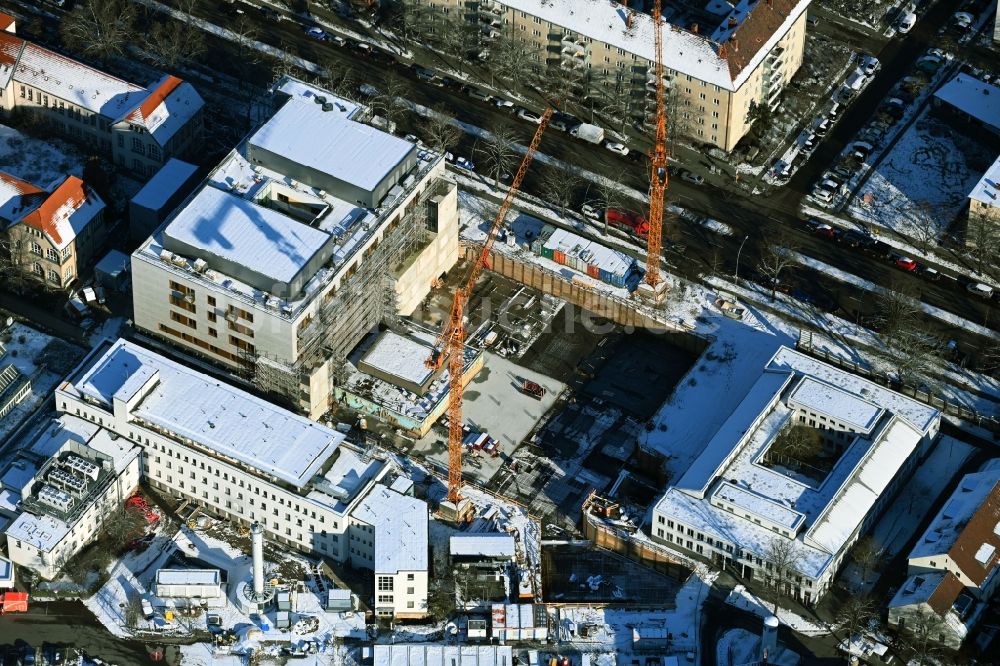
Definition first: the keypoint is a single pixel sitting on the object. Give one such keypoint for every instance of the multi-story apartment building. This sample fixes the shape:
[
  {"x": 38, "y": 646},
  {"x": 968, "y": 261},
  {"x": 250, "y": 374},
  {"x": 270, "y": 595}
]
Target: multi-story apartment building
[
  {"x": 742, "y": 500},
  {"x": 247, "y": 460},
  {"x": 51, "y": 236},
  {"x": 64, "y": 505},
  {"x": 720, "y": 58},
  {"x": 137, "y": 128},
  {"x": 984, "y": 208},
  {"x": 308, "y": 235}
]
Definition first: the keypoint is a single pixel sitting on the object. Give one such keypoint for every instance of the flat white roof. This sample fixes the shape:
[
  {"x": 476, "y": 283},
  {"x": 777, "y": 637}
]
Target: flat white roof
[
  {"x": 823, "y": 398},
  {"x": 400, "y": 356},
  {"x": 18, "y": 474},
  {"x": 482, "y": 545},
  {"x": 977, "y": 98},
  {"x": 424, "y": 654},
  {"x": 920, "y": 416},
  {"x": 329, "y": 142},
  {"x": 188, "y": 577},
  {"x": 232, "y": 228},
  {"x": 164, "y": 184},
  {"x": 41, "y": 532},
  {"x": 400, "y": 523},
  {"x": 216, "y": 415},
  {"x": 987, "y": 190}
]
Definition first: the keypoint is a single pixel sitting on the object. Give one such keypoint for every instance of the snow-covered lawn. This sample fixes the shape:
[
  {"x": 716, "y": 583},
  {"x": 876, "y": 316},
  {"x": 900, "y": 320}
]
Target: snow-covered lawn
[
  {"x": 923, "y": 182},
  {"x": 746, "y": 600},
  {"x": 39, "y": 162}
]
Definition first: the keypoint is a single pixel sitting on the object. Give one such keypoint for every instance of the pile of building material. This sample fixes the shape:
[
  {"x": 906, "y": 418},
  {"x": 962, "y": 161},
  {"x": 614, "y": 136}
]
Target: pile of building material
[{"x": 587, "y": 257}]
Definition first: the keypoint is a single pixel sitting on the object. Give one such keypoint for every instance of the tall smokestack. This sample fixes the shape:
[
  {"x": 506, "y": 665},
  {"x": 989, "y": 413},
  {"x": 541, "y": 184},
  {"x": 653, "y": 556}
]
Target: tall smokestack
[
  {"x": 257, "y": 548},
  {"x": 769, "y": 639}
]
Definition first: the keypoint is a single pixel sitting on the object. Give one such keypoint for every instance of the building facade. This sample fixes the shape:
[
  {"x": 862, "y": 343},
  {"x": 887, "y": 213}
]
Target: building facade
[
  {"x": 742, "y": 500},
  {"x": 720, "y": 59},
  {"x": 298, "y": 274},
  {"x": 984, "y": 209},
  {"x": 137, "y": 128},
  {"x": 51, "y": 236},
  {"x": 64, "y": 506},
  {"x": 247, "y": 460}
]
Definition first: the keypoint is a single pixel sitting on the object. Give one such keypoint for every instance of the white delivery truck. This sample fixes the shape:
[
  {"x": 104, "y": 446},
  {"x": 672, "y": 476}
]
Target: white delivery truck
[{"x": 588, "y": 132}]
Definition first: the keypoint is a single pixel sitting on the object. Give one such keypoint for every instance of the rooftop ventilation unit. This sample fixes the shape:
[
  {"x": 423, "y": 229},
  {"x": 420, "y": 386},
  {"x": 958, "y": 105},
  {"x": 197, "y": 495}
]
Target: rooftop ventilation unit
[
  {"x": 200, "y": 265},
  {"x": 55, "y": 498},
  {"x": 71, "y": 483},
  {"x": 82, "y": 467}
]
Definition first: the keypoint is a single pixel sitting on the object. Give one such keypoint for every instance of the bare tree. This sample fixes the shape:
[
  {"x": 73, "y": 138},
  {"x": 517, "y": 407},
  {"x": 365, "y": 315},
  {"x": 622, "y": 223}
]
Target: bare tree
[
  {"x": 440, "y": 129},
  {"x": 898, "y": 311},
  {"x": 608, "y": 196},
  {"x": 510, "y": 59},
  {"x": 390, "y": 102},
  {"x": 100, "y": 28},
  {"x": 781, "y": 563},
  {"x": 867, "y": 553},
  {"x": 15, "y": 263},
  {"x": 174, "y": 40},
  {"x": 983, "y": 239},
  {"x": 499, "y": 151},
  {"x": 558, "y": 187},
  {"x": 856, "y": 616},
  {"x": 912, "y": 350},
  {"x": 799, "y": 442},
  {"x": 777, "y": 255},
  {"x": 920, "y": 634}
]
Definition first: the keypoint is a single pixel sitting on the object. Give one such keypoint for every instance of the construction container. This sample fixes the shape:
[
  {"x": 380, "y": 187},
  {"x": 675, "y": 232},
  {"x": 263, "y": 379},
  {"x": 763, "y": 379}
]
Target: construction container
[
  {"x": 559, "y": 257},
  {"x": 538, "y": 246}
]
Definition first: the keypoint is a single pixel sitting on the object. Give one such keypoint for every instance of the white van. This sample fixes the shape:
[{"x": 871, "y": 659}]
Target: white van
[
  {"x": 906, "y": 22},
  {"x": 857, "y": 80},
  {"x": 980, "y": 289}
]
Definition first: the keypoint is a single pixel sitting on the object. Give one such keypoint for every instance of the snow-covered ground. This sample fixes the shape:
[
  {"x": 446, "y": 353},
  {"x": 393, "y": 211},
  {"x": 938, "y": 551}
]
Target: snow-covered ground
[
  {"x": 746, "y": 600},
  {"x": 41, "y": 163},
  {"x": 924, "y": 181},
  {"x": 739, "y": 646},
  {"x": 133, "y": 576}
]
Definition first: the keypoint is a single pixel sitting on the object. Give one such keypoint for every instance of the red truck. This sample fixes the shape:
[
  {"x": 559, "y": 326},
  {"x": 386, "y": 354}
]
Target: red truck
[
  {"x": 627, "y": 220},
  {"x": 535, "y": 390}
]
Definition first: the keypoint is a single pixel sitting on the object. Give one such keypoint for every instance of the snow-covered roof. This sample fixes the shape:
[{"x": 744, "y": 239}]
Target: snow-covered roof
[
  {"x": 217, "y": 225},
  {"x": 168, "y": 106},
  {"x": 17, "y": 197},
  {"x": 973, "y": 96},
  {"x": 987, "y": 190},
  {"x": 329, "y": 142},
  {"x": 938, "y": 589},
  {"x": 967, "y": 528},
  {"x": 684, "y": 51},
  {"x": 427, "y": 654},
  {"x": 113, "y": 263},
  {"x": 41, "y": 532},
  {"x": 400, "y": 356},
  {"x": 400, "y": 525},
  {"x": 77, "y": 83},
  {"x": 349, "y": 474},
  {"x": 18, "y": 475},
  {"x": 63, "y": 429},
  {"x": 482, "y": 545},
  {"x": 119, "y": 450},
  {"x": 920, "y": 416},
  {"x": 188, "y": 577},
  {"x": 217, "y": 416},
  {"x": 61, "y": 214},
  {"x": 859, "y": 492},
  {"x": 822, "y": 398},
  {"x": 308, "y": 92},
  {"x": 164, "y": 184},
  {"x": 725, "y": 443},
  {"x": 9, "y": 500}
]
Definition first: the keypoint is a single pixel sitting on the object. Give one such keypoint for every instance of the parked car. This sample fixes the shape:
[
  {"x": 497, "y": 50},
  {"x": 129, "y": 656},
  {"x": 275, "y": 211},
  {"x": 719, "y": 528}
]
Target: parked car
[
  {"x": 615, "y": 147},
  {"x": 869, "y": 65},
  {"x": 980, "y": 289},
  {"x": 851, "y": 238},
  {"x": 502, "y": 103},
  {"x": 691, "y": 177},
  {"x": 929, "y": 64},
  {"x": 823, "y": 127},
  {"x": 413, "y": 138},
  {"x": 531, "y": 116},
  {"x": 905, "y": 263},
  {"x": 316, "y": 33},
  {"x": 476, "y": 93},
  {"x": 824, "y": 230},
  {"x": 929, "y": 273},
  {"x": 810, "y": 142},
  {"x": 593, "y": 212},
  {"x": 820, "y": 194},
  {"x": 835, "y": 110},
  {"x": 464, "y": 163},
  {"x": 423, "y": 73},
  {"x": 962, "y": 21},
  {"x": 906, "y": 22}
]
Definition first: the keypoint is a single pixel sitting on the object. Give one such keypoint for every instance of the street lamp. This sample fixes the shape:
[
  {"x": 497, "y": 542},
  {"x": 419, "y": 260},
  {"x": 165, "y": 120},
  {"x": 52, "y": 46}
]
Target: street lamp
[{"x": 736, "y": 276}]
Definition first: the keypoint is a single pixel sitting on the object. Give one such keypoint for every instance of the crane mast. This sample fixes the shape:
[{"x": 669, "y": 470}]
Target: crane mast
[
  {"x": 451, "y": 343},
  {"x": 658, "y": 160}
]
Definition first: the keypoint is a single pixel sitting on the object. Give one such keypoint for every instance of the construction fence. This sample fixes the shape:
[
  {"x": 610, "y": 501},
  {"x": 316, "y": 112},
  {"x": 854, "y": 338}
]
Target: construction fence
[{"x": 624, "y": 543}]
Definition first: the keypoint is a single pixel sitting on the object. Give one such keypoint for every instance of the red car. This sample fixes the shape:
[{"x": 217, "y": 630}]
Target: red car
[
  {"x": 627, "y": 220},
  {"x": 825, "y": 230},
  {"x": 906, "y": 263}
]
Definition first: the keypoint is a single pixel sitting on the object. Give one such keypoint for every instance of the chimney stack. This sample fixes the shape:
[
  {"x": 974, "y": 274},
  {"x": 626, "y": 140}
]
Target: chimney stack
[{"x": 257, "y": 548}]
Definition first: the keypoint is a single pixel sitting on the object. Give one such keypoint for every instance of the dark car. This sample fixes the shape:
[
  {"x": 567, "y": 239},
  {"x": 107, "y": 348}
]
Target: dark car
[{"x": 851, "y": 238}]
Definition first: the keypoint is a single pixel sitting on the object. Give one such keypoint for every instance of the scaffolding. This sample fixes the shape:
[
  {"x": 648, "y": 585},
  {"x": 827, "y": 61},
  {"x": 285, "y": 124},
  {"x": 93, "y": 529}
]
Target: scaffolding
[{"x": 365, "y": 299}]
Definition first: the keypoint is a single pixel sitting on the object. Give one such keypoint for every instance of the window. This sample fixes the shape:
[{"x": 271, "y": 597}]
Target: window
[
  {"x": 181, "y": 319},
  {"x": 121, "y": 139},
  {"x": 66, "y": 252},
  {"x": 409, "y": 576},
  {"x": 55, "y": 277},
  {"x": 52, "y": 255},
  {"x": 137, "y": 146},
  {"x": 213, "y": 333},
  {"x": 136, "y": 165},
  {"x": 36, "y": 248},
  {"x": 385, "y": 584},
  {"x": 36, "y": 268},
  {"x": 154, "y": 152}
]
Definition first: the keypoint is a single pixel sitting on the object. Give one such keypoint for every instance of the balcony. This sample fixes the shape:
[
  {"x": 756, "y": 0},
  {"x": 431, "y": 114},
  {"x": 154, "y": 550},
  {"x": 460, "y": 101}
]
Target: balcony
[
  {"x": 490, "y": 6},
  {"x": 490, "y": 21}
]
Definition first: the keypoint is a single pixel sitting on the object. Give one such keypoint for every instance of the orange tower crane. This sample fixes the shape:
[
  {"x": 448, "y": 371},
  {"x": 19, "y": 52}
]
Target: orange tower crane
[
  {"x": 450, "y": 345},
  {"x": 658, "y": 160}
]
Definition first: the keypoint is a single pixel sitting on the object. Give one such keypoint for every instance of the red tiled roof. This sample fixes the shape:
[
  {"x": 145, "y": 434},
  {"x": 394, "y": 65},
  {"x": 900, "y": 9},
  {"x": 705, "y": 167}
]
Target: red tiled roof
[
  {"x": 5, "y": 21},
  {"x": 70, "y": 192},
  {"x": 10, "y": 48},
  {"x": 155, "y": 98},
  {"x": 944, "y": 595},
  {"x": 981, "y": 529},
  {"x": 758, "y": 27},
  {"x": 22, "y": 186}
]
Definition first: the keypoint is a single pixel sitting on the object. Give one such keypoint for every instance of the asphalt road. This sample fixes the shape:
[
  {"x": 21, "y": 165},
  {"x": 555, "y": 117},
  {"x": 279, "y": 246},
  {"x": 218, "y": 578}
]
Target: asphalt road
[{"x": 754, "y": 216}]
